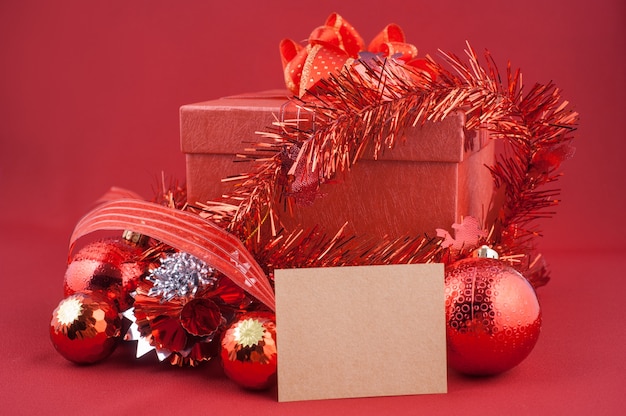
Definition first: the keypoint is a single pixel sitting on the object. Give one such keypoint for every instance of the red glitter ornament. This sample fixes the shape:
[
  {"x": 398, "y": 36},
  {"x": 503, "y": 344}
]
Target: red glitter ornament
[
  {"x": 493, "y": 318},
  {"x": 180, "y": 309},
  {"x": 109, "y": 265},
  {"x": 180, "y": 330},
  {"x": 249, "y": 350},
  {"x": 85, "y": 327}
]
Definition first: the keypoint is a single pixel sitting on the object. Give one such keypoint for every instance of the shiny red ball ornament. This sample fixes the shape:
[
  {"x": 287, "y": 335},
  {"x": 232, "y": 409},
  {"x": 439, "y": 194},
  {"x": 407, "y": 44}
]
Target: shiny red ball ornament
[
  {"x": 108, "y": 265},
  {"x": 248, "y": 350},
  {"x": 85, "y": 327},
  {"x": 493, "y": 318}
]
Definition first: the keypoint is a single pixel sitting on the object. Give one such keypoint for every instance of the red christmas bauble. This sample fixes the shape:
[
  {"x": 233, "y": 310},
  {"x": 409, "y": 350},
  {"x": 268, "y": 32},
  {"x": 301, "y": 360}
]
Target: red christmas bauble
[
  {"x": 248, "y": 350},
  {"x": 108, "y": 265},
  {"x": 493, "y": 318},
  {"x": 85, "y": 327}
]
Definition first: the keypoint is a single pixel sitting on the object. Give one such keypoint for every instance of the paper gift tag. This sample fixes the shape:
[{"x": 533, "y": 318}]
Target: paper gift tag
[{"x": 360, "y": 331}]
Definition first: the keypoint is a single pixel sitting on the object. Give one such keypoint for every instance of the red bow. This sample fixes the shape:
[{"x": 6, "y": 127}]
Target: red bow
[{"x": 334, "y": 45}]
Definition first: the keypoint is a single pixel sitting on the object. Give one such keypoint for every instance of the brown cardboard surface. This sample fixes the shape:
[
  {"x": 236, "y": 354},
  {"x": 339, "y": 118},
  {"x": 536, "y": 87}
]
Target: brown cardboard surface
[
  {"x": 431, "y": 179},
  {"x": 360, "y": 331},
  {"x": 224, "y": 125},
  {"x": 376, "y": 198}
]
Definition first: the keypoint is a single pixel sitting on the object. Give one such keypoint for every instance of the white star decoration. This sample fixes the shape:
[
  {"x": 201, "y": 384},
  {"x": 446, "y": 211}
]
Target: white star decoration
[{"x": 143, "y": 343}]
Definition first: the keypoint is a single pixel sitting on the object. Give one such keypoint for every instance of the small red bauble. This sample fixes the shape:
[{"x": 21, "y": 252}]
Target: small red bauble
[
  {"x": 493, "y": 318},
  {"x": 108, "y": 265},
  {"x": 85, "y": 327},
  {"x": 248, "y": 350}
]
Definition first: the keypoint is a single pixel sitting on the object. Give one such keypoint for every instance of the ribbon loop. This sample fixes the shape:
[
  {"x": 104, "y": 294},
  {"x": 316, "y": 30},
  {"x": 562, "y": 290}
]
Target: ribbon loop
[
  {"x": 399, "y": 50},
  {"x": 186, "y": 232},
  {"x": 349, "y": 39},
  {"x": 289, "y": 50},
  {"x": 332, "y": 46},
  {"x": 392, "y": 33}
]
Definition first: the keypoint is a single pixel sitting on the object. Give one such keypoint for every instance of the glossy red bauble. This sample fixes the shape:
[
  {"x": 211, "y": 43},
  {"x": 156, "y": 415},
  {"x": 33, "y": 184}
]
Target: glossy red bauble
[
  {"x": 109, "y": 265},
  {"x": 85, "y": 327},
  {"x": 493, "y": 318},
  {"x": 248, "y": 350}
]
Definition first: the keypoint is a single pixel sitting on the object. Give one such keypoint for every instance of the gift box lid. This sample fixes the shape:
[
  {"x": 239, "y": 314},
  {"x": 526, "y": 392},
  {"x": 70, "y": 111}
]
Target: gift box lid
[{"x": 225, "y": 125}]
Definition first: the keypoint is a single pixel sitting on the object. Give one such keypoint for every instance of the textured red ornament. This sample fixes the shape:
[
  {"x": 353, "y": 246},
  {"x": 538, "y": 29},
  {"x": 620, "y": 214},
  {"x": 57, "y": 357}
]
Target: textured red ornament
[
  {"x": 85, "y": 327},
  {"x": 249, "y": 350},
  {"x": 493, "y": 318},
  {"x": 200, "y": 317},
  {"x": 109, "y": 265},
  {"x": 183, "y": 331}
]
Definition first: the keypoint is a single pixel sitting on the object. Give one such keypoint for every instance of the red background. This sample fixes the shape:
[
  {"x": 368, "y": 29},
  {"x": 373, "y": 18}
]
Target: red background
[{"x": 89, "y": 95}]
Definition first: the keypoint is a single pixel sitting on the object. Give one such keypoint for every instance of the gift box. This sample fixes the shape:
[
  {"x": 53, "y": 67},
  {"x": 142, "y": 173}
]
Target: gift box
[{"x": 431, "y": 179}]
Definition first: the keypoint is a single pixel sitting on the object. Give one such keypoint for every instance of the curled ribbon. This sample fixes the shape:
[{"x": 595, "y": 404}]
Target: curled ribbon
[
  {"x": 184, "y": 231},
  {"x": 336, "y": 44}
]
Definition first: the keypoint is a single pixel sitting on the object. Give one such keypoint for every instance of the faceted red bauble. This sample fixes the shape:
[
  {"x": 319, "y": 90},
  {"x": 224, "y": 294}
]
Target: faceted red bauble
[
  {"x": 108, "y": 265},
  {"x": 493, "y": 318},
  {"x": 248, "y": 350},
  {"x": 85, "y": 327}
]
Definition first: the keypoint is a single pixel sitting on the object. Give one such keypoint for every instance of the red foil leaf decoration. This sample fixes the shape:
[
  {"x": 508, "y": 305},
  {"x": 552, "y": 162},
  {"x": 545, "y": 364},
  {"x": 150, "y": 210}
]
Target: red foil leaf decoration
[
  {"x": 168, "y": 333},
  {"x": 230, "y": 294},
  {"x": 147, "y": 308},
  {"x": 550, "y": 158},
  {"x": 468, "y": 234},
  {"x": 186, "y": 232}
]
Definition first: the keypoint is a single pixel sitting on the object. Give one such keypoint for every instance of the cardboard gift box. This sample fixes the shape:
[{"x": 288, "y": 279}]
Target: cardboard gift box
[{"x": 430, "y": 180}]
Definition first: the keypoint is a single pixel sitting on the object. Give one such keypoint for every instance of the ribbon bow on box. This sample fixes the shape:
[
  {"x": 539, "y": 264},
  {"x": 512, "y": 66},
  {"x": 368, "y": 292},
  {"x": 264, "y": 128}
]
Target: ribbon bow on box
[{"x": 336, "y": 44}]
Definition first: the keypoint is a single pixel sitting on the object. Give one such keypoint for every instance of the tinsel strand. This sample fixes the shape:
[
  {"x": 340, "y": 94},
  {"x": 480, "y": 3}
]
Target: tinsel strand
[{"x": 370, "y": 104}]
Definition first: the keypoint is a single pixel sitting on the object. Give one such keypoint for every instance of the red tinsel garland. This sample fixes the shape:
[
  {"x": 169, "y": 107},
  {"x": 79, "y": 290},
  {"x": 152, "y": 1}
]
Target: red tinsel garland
[{"x": 370, "y": 103}]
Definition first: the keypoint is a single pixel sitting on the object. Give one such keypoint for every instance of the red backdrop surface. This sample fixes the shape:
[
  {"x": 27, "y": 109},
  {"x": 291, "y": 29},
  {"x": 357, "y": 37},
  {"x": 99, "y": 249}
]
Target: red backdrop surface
[{"x": 89, "y": 96}]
